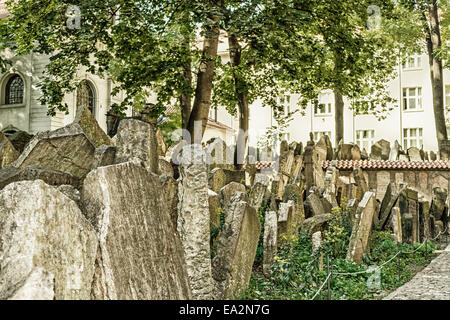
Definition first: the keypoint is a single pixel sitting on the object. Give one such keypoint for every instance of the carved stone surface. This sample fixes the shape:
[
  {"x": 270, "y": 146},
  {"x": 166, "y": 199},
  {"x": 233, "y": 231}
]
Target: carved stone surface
[
  {"x": 362, "y": 228},
  {"x": 140, "y": 255},
  {"x": 91, "y": 128},
  {"x": 194, "y": 220},
  {"x": 270, "y": 241},
  {"x": 46, "y": 231},
  {"x": 67, "y": 149},
  {"x": 236, "y": 250},
  {"x": 136, "y": 141}
]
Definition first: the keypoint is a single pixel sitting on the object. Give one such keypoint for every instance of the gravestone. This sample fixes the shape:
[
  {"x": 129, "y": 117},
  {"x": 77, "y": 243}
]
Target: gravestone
[
  {"x": 236, "y": 250},
  {"x": 194, "y": 220},
  {"x": 45, "y": 232},
  {"x": 67, "y": 149},
  {"x": 136, "y": 141},
  {"x": 270, "y": 241},
  {"x": 362, "y": 228},
  {"x": 8, "y": 154},
  {"x": 140, "y": 256},
  {"x": 380, "y": 150}
]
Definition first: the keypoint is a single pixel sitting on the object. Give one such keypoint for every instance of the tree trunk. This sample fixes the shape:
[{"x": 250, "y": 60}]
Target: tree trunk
[
  {"x": 339, "y": 117},
  {"x": 203, "y": 91},
  {"x": 433, "y": 37},
  {"x": 244, "y": 113},
  {"x": 185, "y": 99}
]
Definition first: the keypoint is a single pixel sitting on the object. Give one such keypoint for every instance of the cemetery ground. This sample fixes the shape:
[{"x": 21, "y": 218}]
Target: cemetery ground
[{"x": 297, "y": 273}]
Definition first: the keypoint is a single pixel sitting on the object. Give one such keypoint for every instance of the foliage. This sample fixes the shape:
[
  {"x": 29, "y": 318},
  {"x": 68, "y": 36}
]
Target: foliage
[{"x": 296, "y": 274}]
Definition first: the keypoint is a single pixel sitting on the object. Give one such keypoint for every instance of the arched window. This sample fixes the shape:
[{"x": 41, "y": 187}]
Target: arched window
[
  {"x": 86, "y": 96},
  {"x": 14, "y": 90}
]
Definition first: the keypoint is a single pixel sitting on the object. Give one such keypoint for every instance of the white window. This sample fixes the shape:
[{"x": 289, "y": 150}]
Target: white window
[
  {"x": 213, "y": 114},
  {"x": 412, "y": 137},
  {"x": 285, "y": 101},
  {"x": 319, "y": 134},
  {"x": 322, "y": 109},
  {"x": 412, "y": 98},
  {"x": 365, "y": 139},
  {"x": 413, "y": 62}
]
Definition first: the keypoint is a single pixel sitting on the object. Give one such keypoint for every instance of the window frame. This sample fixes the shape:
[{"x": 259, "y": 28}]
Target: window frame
[
  {"x": 417, "y": 62},
  {"x": 5, "y": 82},
  {"x": 370, "y": 139},
  {"x": 406, "y": 99},
  {"x": 408, "y": 138}
]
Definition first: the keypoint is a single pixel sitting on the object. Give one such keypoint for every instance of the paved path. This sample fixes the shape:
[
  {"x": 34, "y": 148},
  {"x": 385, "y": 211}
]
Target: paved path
[{"x": 432, "y": 283}]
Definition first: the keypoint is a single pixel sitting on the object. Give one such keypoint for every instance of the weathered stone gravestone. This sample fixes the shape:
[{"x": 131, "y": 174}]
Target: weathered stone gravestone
[
  {"x": 257, "y": 195},
  {"x": 414, "y": 154},
  {"x": 284, "y": 173},
  {"x": 52, "y": 177},
  {"x": 228, "y": 191},
  {"x": 234, "y": 176},
  {"x": 194, "y": 220},
  {"x": 331, "y": 177},
  {"x": 219, "y": 155},
  {"x": 395, "y": 151},
  {"x": 214, "y": 206},
  {"x": 8, "y": 154},
  {"x": 408, "y": 204},
  {"x": 45, "y": 237},
  {"x": 313, "y": 167},
  {"x": 91, "y": 128},
  {"x": 236, "y": 250},
  {"x": 362, "y": 227},
  {"x": 314, "y": 206},
  {"x": 170, "y": 190},
  {"x": 316, "y": 223},
  {"x": 270, "y": 243},
  {"x": 296, "y": 170},
  {"x": 136, "y": 141},
  {"x": 104, "y": 155},
  {"x": 165, "y": 168},
  {"x": 433, "y": 156},
  {"x": 162, "y": 145},
  {"x": 438, "y": 203},
  {"x": 324, "y": 148},
  {"x": 295, "y": 193},
  {"x": 316, "y": 244},
  {"x": 397, "y": 224},
  {"x": 67, "y": 149},
  {"x": 380, "y": 150},
  {"x": 287, "y": 222},
  {"x": 18, "y": 138},
  {"x": 217, "y": 179},
  {"x": 140, "y": 255},
  {"x": 356, "y": 153},
  {"x": 344, "y": 151},
  {"x": 389, "y": 200}
]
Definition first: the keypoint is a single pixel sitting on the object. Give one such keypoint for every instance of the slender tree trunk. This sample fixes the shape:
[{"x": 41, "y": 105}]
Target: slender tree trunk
[
  {"x": 202, "y": 100},
  {"x": 244, "y": 113},
  {"x": 433, "y": 37},
  {"x": 185, "y": 99},
  {"x": 339, "y": 117}
]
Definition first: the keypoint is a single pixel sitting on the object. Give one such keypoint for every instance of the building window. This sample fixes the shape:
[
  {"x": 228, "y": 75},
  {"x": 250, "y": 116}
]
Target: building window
[
  {"x": 86, "y": 96},
  {"x": 322, "y": 109},
  {"x": 285, "y": 101},
  {"x": 213, "y": 114},
  {"x": 319, "y": 134},
  {"x": 413, "y": 62},
  {"x": 412, "y": 98},
  {"x": 412, "y": 137},
  {"x": 14, "y": 90},
  {"x": 365, "y": 139}
]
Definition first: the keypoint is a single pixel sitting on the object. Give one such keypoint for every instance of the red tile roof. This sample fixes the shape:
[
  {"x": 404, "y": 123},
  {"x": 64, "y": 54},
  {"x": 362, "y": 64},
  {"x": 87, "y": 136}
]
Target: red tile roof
[
  {"x": 389, "y": 165},
  {"x": 376, "y": 164}
]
